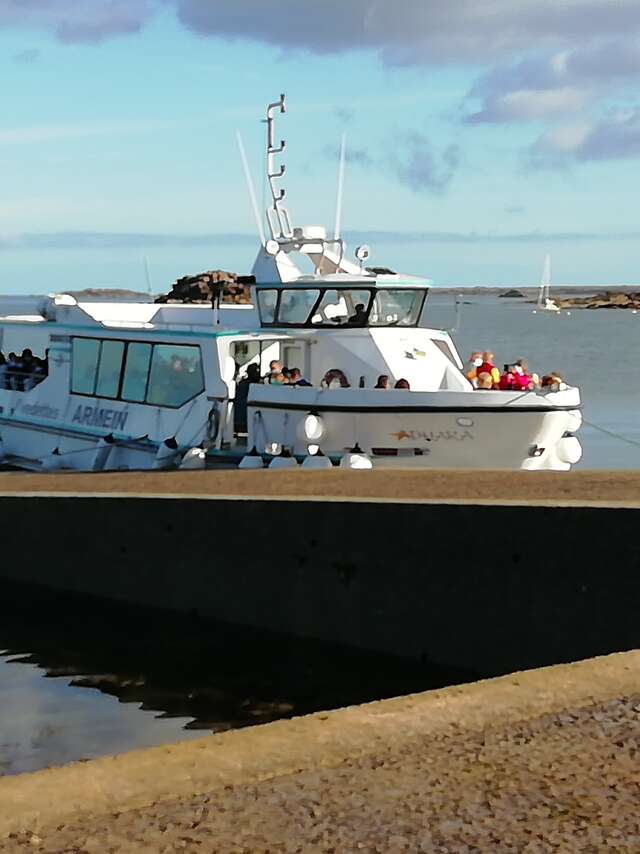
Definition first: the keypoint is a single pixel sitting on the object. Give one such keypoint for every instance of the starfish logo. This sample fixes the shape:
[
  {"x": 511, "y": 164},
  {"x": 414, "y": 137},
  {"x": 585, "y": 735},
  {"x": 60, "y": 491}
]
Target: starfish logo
[{"x": 401, "y": 434}]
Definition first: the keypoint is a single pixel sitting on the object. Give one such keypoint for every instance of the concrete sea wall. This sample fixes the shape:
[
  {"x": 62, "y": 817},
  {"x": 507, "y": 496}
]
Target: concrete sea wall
[{"x": 491, "y": 588}]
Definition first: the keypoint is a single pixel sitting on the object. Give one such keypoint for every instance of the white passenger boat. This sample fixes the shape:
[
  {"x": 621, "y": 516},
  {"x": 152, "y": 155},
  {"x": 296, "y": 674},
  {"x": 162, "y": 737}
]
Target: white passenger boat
[{"x": 143, "y": 385}]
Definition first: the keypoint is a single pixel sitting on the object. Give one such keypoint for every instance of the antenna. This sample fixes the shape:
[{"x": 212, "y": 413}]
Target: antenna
[
  {"x": 277, "y": 215},
  {"x": 147, "y": 275},
  {"x": 340, "y": 193},
  {"x": 250, "y": 188}
]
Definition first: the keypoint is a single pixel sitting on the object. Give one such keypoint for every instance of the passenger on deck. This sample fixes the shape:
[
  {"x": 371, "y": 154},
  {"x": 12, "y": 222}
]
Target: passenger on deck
[
  {"x": 14, "y": 368},
  {"x": 275, "y": 368},
  {"x": 484, "y": 382},
  {"x": 360, "y": 317},
  {"x": 522, "y": 366},
  {"x": 488, "y": 367},
  {"x": 472, "y": 366},
  {"x": 335, "y": 378},
  {"x": 516, "y": 377},
  {"x": 296, "y": 378},
  {"x": 28, "y": 365},
  {"x": 242, "y": 393},
  {"x": 383, "y": 382},
  {"x": 3, "y": 371},
  {"x": 553, "y": 382},
  {"x": 403, "y": 384}
]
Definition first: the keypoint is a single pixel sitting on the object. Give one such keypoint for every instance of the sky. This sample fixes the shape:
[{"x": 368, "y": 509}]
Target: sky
[{"x": 481, "y": 134}]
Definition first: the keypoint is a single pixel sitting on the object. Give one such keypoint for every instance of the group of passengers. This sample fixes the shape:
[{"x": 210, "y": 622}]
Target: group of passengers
[
  {"x": 483, "y": 374},
  {"x": 333, "y": 378},
  {"x": 276, "y": 375},
  {"x": 22, "y": 373}
]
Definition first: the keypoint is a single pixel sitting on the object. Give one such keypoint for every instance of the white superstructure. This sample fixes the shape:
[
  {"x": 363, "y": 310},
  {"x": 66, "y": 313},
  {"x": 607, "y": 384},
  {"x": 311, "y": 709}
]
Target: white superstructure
[{"x": 143, "y": 385}]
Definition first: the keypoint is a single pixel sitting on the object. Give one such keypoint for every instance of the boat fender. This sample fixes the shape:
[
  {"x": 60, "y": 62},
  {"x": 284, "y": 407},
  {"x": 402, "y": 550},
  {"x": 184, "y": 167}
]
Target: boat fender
[
  {"x": 317, "y": 461},
  {"x": 284, "y": 461},
  {"x": 252, "y": 460},
  {"x": 166, "y": 454},
  {"x": 103, "y": 452},
  {"x": 195, "y": 458},
  {"x": 356, "y": 459},
  {"x": 569, "y": 450}
]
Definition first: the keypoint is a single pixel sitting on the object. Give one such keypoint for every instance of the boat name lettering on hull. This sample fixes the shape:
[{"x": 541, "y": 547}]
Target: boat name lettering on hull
[
  {"x": 94, "y": 416},
  {"x": 40, "y": 410},
  {"x": 435, "y": 435}
]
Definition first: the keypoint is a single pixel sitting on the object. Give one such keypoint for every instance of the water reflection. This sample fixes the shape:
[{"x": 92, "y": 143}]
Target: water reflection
[{"x": 172, "y": 675}]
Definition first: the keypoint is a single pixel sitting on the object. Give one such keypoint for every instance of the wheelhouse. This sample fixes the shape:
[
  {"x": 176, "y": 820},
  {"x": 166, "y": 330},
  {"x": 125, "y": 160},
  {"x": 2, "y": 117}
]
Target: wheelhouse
[{"x": 329, "y": 305}]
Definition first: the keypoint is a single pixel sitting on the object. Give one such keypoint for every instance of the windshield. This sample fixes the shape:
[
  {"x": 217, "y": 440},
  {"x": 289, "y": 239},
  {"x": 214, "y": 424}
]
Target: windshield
[
  {"x": 348, "y": 307},
  {"x": 400, "y": 307}
]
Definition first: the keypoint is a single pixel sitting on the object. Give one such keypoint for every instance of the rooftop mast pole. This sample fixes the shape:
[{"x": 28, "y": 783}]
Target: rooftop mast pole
[
  {"x": 250, "y": 188},
  {"x": 340, "y": 193}
]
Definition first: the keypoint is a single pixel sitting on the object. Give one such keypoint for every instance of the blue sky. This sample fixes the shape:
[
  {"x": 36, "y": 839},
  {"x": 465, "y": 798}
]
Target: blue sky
[{"x": 481, "y": 134}]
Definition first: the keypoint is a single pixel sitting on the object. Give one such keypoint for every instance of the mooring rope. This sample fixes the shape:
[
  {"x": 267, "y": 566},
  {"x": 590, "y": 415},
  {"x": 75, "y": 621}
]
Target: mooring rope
[{"x": 612, "y": 433}]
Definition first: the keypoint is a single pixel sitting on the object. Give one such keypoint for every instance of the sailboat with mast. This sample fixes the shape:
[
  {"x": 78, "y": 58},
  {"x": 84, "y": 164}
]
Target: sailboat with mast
[{"x": 545, "y": 303}]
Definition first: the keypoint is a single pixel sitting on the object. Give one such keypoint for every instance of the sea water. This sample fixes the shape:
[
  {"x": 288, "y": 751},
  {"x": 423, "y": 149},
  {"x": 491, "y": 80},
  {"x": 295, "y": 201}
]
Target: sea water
[{"x": 595, "y": 350}]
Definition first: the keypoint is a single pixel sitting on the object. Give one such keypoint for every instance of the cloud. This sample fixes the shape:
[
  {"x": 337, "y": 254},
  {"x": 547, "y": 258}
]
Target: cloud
[
  {"x": 73, "y": 240},
  {"x": 70, "y": 21},
  {"x": 79, "y": 240},
  {"x": 552, "y": 84},
  {"x": 26, "y": 56},
  {"x": 413, "y": 31},
  {"x": 421, "y": 167},
  {"x": 50, "y": 133},
  {"x": 614, "y": 137},
  {"x": 345, "y": 114},
  {"x": 359, "y": 156},
  {"x": 402, "y": 32}
]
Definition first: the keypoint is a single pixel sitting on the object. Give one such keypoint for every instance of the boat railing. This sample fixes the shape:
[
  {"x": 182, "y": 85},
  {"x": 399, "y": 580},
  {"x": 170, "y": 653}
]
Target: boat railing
[{"x": 17, "y": 380}]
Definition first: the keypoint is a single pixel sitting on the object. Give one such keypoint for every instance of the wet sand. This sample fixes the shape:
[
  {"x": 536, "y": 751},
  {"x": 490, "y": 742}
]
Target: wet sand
[
  {"x": 576, "y": 487},
  {"x": 540, "y": 761}
]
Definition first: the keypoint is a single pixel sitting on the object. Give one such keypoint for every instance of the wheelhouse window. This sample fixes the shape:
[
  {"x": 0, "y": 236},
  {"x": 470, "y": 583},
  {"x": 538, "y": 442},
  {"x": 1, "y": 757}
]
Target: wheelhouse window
[
  {"x": 267, "y": 302},
  {"x": 296, "y": 305},
  {"x": 134, "y": 371},
  {"x": 341, "y": 306},
  {"x": 397, "y": 307}
]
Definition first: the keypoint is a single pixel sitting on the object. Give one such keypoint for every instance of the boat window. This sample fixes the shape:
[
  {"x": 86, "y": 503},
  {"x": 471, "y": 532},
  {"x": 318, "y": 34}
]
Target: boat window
[
  {"x": 339, "y": 306},
  {"x": 176, "y": 375},
  {"x": 397, "y": 307},
  {"x": 136, "y": 371},
  {"x": 267, "y": 301},
  {"x": 444, "y": 347},
  {"x": 174, "y": 371},
  {"x": 296, "y": 304},
  {"x": 244, "y": 352},
  {"x": 86, "y": 352},
  {"x": 108, "y": 382}
]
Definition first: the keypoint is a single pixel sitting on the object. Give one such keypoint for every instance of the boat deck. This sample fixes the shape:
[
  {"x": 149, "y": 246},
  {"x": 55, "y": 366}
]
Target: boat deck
[{"x": 577, "y": 488}]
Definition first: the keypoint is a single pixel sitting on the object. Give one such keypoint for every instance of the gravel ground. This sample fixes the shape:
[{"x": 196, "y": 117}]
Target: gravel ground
[
  {"x": 581, "y": 487},
  {"x": 556, "y": 783}
]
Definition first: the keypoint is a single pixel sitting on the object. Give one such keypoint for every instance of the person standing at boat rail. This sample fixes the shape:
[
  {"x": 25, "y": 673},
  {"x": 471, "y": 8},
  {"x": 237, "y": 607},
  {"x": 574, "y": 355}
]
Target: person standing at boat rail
[
  {"x": 472, "y": 367},
  {"x": 488, "y": 367}
]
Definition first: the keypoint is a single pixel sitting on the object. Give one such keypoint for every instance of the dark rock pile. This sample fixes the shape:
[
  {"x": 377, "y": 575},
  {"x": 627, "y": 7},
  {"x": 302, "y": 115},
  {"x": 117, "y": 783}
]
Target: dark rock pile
[
  {"x": 511, "y": 294},
  {"x": 609, "y": 299},
  {"x": 202, "y": 287}
]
